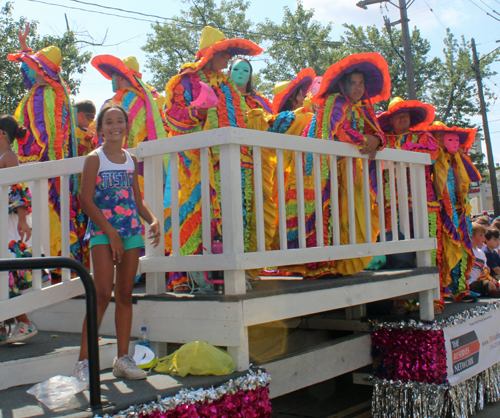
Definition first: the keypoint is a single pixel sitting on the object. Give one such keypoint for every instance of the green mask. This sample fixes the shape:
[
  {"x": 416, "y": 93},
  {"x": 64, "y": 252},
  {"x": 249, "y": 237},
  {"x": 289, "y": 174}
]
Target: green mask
[
  {"x": 32, "y": 73},
  {"x": 113, "y": 83},
  {"x": 240, "y": 73}
]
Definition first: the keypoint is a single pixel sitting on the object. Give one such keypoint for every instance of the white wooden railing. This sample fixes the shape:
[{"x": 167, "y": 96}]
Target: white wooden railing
[{"x": 234, "y": 261}]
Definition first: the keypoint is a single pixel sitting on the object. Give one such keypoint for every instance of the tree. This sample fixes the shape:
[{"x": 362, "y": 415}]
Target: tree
[
  {"x": 175, "y": 43},
  {"x": 454, "y": 93},
  {"x": 298, "y": 42},
  {"x": 13, "y": 88}
]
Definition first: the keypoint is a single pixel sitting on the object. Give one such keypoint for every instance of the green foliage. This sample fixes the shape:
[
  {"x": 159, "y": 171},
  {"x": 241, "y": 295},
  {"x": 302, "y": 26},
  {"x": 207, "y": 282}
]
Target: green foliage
[
  {"x": 13, "y": 88},
  {"x": 298, "y": 42},
  {"x": 173, "y": 44}
]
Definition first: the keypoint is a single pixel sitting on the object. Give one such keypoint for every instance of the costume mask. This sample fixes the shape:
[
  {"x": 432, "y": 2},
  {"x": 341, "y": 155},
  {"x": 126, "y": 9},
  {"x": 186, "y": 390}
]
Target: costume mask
[
  {"x": 240, "y": 73},
  {"x": 32, "y": 73},
  {"x": 113, "y": 83},
  {"x": 451, "y": 142},
  {"x": 316, "y": 85}
]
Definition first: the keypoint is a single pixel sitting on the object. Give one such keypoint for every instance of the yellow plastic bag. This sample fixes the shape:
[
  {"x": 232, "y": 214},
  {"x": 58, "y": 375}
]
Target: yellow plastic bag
[{"x": 198, "y": 358}]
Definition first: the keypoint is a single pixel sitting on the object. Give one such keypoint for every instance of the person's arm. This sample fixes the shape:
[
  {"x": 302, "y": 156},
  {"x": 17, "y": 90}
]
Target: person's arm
[
  {"x": 89, "y": 176},
  {"x": 23, "y": 228},
  {"x": 145, "y": 211},
  {"x": 23, "y": 35}
]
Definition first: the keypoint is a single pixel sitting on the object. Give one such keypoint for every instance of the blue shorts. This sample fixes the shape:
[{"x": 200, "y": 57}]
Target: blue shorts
[{"x": 135, "y": 241}]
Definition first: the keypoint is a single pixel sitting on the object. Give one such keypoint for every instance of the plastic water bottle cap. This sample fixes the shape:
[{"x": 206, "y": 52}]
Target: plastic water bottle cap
[{"x": 144, "y": 329}]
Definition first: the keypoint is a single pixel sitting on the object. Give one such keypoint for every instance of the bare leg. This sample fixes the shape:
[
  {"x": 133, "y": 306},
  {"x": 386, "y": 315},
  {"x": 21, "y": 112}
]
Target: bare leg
[
  {"x": 102, "y": 260},
  {"x": 125, "y": 275}
]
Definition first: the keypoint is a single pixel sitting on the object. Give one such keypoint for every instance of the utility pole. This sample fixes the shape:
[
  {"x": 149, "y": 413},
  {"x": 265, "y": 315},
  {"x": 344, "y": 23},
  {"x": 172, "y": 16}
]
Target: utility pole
[
  {"x": 491, "y": 163},
  {"x": 410, "y": 73}
]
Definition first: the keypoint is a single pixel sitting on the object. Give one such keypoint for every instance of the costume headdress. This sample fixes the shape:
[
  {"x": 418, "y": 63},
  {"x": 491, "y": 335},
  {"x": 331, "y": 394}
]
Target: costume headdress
[
  {"x": 46, "y": 62},
  {"x": 421, "y": 114},
  {"x": 127, "y": 68},
  {"x": 465, "y": 135},
  {"x": 284, "y": 89},
  {"x": 371, "y": 64},
  {"x": 213, "y": 41}
]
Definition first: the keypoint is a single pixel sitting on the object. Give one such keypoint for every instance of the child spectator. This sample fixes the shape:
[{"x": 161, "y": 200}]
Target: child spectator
[
  {"x": 479, "y": 280},
  {"x": 493, "y": 259},
  {"x": 483, "y": 220},
  {"x": 115, "y": 231},
  {"x": 19, "y": 229}
]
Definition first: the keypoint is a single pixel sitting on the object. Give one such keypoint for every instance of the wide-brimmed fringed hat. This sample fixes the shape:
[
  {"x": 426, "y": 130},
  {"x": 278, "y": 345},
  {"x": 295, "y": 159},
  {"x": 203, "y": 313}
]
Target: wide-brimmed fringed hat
[
  {"x": 465, "y": 135},
  {"x": 46, "y": 62},
  {"x": 127, "y": 68},
  {"x": 284, "y": 89},
  {"x": 371, "y": 64},
  {"x": 213, "y": 41},
  {"x": 421, "y": 114}
]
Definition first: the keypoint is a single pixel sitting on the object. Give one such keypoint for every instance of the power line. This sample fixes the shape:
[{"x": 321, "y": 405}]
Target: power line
[
  {"x": 487, "y": 5},
  {"x": 479, "y": 7},
  {"x": 439, "y": 20},
  {"x": 181, "y": 22}
]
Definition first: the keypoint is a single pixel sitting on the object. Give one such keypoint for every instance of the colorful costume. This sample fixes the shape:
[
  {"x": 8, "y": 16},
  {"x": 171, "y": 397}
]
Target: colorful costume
[
  {"x": 182, "y": 117},
  {"x": 416, "y": 139},
  {"x": 453, "y": 173},
  {"x": 337, "y": 119},
  {"x": 47, "y": 113}
]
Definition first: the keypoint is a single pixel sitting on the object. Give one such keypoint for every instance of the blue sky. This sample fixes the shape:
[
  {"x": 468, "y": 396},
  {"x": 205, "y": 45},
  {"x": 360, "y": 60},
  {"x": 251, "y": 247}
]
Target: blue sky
[{"x": 125, "y": 37}]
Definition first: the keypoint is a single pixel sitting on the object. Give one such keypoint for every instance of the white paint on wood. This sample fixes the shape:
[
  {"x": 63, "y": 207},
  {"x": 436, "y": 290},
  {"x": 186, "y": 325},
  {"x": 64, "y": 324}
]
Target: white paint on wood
[{"x": 301, "y": 214}]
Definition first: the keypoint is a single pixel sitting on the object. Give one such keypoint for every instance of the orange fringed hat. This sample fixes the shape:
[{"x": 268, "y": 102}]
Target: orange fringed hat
[
  {"x": 371, "y": 64},
  {"x": 46, "y": 62},
  {"x": 284, "y": 89},
  {"x": 465, "y": 135},
  {"x": 108, "y": 65},
  {"x": 421, "y": 114},
  {"x": 213, "y": 41}
]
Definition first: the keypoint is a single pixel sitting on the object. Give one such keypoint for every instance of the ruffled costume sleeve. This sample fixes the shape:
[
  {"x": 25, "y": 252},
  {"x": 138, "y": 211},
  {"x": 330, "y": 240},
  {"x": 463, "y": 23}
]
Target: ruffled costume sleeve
[
  {"x": 180, "y": 116},
  {"x": 19, "y": 195}
]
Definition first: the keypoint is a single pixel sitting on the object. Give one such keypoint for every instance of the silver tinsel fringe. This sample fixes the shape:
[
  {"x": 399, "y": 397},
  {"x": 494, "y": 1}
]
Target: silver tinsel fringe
[
  {"x": 395, "y": 399},
  {"x": 251, "y": 381},
  {"x": 438, "y": 325}
]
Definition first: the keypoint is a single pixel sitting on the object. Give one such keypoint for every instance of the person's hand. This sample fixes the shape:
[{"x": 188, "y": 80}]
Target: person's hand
[
  {"x": 154, "y": 233},
  {"x": 23, "y": 35},
  {"x": 487, "y": 269},
  {"x": 370, "y": 146},
  {"x": 24, "y": 230},
  {"x": 116, "y": 244}
]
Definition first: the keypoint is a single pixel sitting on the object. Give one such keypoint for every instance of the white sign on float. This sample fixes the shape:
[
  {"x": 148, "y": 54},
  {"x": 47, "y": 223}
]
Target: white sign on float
[{"x": 472, "y": 347}]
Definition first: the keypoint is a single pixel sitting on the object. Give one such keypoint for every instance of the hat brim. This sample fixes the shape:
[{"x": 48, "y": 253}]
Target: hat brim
[
  {"x": 303, "y": 80},
  {"x": 37, "y": 64},
  {"x": 371, "y": 64},
  {"x": 234, "y": 46},
  {"x": 108, "y": 65},
  {"x": 421, "y": 114},
  {"x": 466, "y": 136}
]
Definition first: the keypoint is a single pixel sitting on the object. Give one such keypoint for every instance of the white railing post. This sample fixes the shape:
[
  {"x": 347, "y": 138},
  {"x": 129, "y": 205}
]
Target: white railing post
[
  {"x": 205, "y": 201},
  {"x": 232, "y": 215},
  {"x": 39, "y": 205},
  {"x": 318, "y": 200},
  {"x": 301, "y": 213},
  {"x": 281, "y": 200},
  {"x": 259, "y": 199},
  {"x": 65, "y": 228},
  {"x": 174, "y": 205},
  {"x": 153, "y": 195}
]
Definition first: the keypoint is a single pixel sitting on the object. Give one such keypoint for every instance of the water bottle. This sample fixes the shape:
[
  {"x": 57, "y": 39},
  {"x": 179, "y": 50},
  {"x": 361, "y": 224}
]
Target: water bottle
[
  {"x": 144, "y": 337},
  {"x": 217, "y": 276}
]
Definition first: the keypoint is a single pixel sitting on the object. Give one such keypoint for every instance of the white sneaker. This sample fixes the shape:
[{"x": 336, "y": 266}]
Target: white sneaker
[
  {"x": 81, "y": 370},
  {"x": 22, "y": 331},
  {"x": 126, "y": 367}
]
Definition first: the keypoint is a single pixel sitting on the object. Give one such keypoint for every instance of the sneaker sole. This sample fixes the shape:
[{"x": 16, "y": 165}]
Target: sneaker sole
[
  {"x": 23, "y": 337},
  {"x": 124, "y": 375}
]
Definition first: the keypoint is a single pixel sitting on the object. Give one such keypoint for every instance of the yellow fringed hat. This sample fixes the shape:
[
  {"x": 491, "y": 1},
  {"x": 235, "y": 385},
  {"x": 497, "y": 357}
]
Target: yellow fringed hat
[
  {"x": 108, "y": 65},
  {"x": 213, "y": 41},
  {"x": 421, "y": 114},
  {"x": 46, "y": 62}
]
